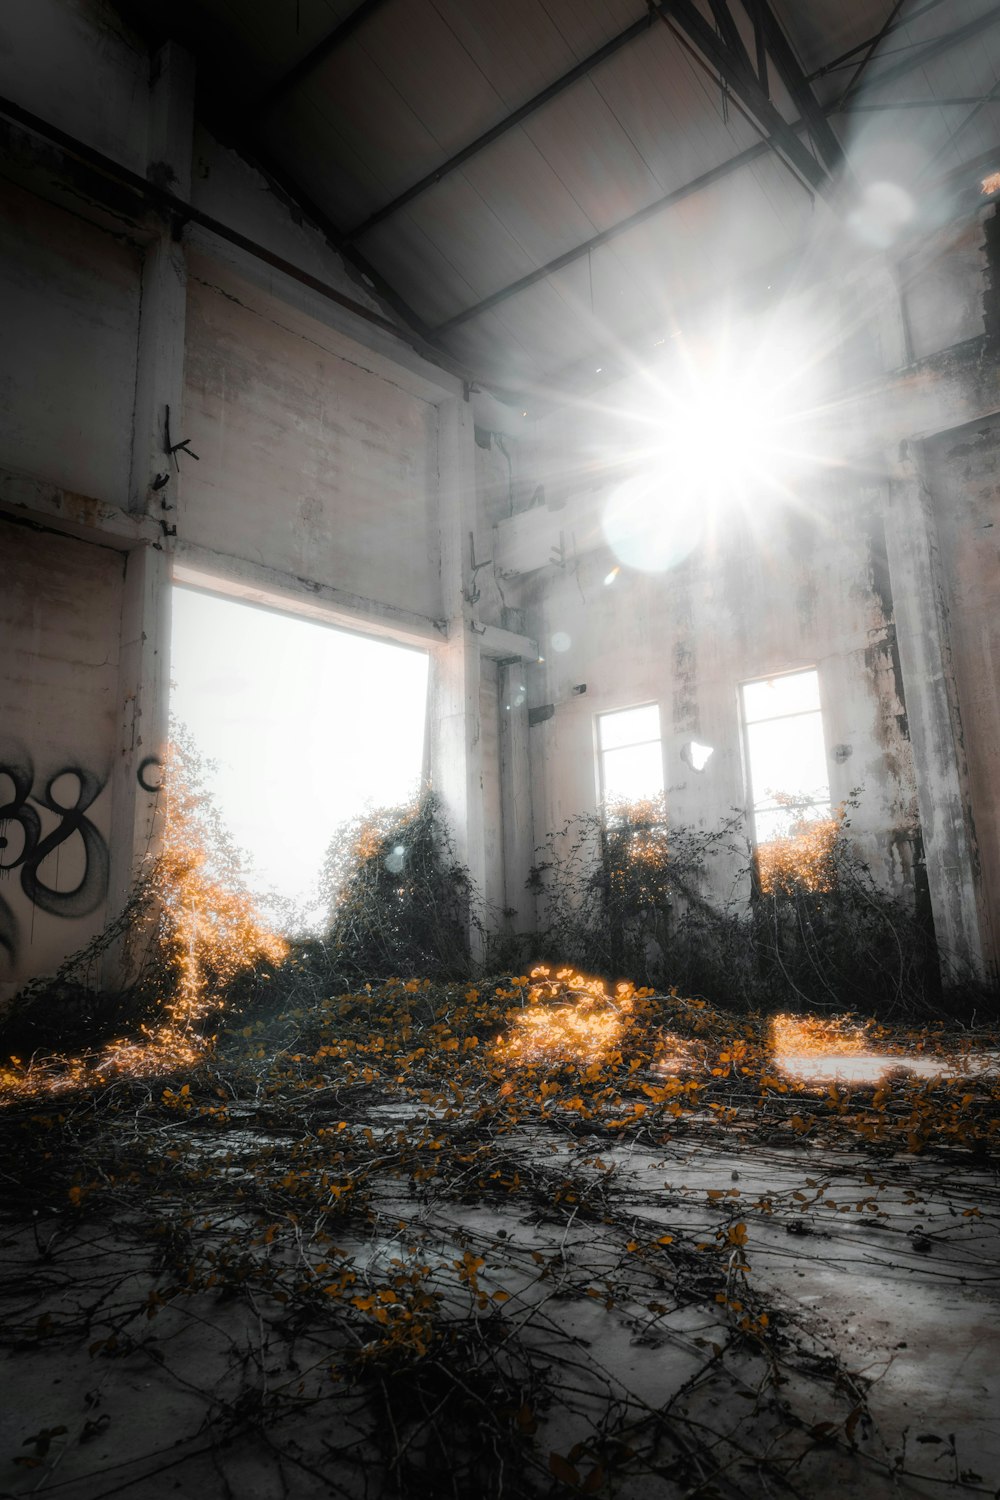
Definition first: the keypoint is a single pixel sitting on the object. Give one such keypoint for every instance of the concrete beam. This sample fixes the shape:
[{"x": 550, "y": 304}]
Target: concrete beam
[
  {"x": 171, "y": 119},
  {"x": 159, "y": 384},
  {"x": 501, "y": 645},
  {"x": 25, "y": 497},
  {"x": 254, "y": 583}
]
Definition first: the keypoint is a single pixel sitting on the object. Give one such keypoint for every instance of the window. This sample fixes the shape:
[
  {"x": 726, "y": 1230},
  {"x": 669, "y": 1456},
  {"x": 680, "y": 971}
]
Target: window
[
  {"x": 630, "y": 754},
  {"x": 786, "y": 753},
  {"x": 304, "y": 725}
]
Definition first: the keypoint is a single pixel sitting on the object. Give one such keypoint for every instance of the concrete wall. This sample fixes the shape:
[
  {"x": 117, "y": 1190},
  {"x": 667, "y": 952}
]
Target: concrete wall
[
  {"x": 307, "y": 461},
  {"x": 334, "y": 474},
  {"x": 76, "y": 64},
  {"x": 60, "y": 617},
  {"x": 342, "y": 473},
  {"x": 964, "y": 477},
  {"x": 70, "y": 295},
  {"x": 791, "y": 591},
  {"x": 884, "y": 578}
]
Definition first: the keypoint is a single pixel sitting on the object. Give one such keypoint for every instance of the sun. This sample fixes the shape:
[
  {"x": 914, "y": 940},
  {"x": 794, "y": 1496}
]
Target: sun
[{"x": 725, "y": 431}]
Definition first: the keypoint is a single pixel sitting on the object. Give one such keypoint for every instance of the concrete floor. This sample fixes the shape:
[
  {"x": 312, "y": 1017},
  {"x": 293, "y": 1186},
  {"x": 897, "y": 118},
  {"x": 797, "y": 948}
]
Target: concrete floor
[{"x": 878, "y": 1375}]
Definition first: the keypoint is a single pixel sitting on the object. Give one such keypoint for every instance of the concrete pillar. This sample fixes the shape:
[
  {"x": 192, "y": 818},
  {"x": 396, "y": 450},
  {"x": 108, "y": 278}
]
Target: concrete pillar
[
  {"x": 154, "y": 487},
  {"x": 153, "y": 483},
  {"x": 515, "y": 798},
  {"x": 456, "y": 755},
  {"x": 921, "y": 614},
  {"x": 137, "y": 803}
]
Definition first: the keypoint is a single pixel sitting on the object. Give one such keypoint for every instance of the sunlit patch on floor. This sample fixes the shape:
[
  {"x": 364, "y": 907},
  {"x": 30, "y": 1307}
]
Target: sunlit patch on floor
[
  {"x": 819, "y": 1050},
  {"x": 584, "y": 1026}
]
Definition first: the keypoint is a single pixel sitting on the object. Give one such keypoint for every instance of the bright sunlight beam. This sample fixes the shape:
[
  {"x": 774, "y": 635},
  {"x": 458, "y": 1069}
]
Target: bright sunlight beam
[{"x": 722, "y": 428}]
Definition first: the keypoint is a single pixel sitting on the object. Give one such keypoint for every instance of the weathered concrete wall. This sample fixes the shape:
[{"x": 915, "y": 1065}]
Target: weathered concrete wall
[
  {"x": 226, "y": 186},
  {"x": 308, "y": 462},
  {"x": 789, "y": 592},
  {"x": 332, "y": 457},
  {"x": 814, "y": 582},
  {"x": 964, "y": 479},
  {"x": 340, "y": 471},
  {"x": 76, "y": 64},
  {"x": 60, "y": 610},
  {"x": 70, "y": 296}
]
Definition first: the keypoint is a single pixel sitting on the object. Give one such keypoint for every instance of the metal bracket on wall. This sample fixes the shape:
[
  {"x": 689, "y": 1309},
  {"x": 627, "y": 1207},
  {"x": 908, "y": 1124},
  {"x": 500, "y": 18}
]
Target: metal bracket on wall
[{"x": 172, "y": 449}]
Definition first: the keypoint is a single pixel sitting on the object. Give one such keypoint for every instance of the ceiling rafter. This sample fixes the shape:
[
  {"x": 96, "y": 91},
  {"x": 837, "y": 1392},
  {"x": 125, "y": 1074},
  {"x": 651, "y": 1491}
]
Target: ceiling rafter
[
  {"x": 706, "y": 179},
  {"x": 323, "y": 49},
  {"x": 923, "y": 54},
  {"x": 913, "y": 60},
  {"x": 843, "y": 60},
  {"x": 776, "y": 127},
  {"x": 551, "y": 91},
  {"x": 736, "y": 74},
  {"x": 792, "y": 76}
]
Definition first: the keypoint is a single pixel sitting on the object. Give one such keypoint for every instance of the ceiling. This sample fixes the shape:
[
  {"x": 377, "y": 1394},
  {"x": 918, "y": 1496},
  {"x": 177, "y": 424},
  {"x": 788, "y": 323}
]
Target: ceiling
[{"x": 538, "y": 185}]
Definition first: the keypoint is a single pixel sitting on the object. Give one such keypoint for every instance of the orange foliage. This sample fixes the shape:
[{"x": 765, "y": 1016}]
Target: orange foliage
[
  {"x": 806, "y": 1036},
  {"x": 802, "y": 861},
  {"x": 206, "y": 930},
  {"x": 209, "y": 926},
  {"x": 583, "y": 1026}
]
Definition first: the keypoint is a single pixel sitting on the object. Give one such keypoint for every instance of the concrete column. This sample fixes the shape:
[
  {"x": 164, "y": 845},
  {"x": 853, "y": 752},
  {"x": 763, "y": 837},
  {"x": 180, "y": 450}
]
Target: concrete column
[
  {"x": 154, "y": 486},
  {"x": 137, "y": 804},
  {"x": 153, "y": 483},
  {"x": 456, "y": 757},
  {"x": 921, "y": 614},
  {"x": 515, "y": 798}
]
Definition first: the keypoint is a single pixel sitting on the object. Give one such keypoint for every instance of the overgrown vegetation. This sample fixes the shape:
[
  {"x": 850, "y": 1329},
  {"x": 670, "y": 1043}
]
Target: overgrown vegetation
[
  {"x": 399, "y": 901},
  {"x": 382, "y": 1236},
  {"x": 368, "y": 1246},
  {"x": 801, "y": 924}
]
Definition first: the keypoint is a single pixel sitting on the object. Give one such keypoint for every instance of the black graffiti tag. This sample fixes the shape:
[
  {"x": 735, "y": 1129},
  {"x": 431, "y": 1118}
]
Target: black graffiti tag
[
  {"x": 148, "y": 768},
  {"x": 90, "y": 890}
]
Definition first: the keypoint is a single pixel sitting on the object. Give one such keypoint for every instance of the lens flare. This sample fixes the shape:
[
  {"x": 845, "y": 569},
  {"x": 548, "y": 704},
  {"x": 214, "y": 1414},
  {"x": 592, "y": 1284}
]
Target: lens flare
[{"x": 715, "y": 436}]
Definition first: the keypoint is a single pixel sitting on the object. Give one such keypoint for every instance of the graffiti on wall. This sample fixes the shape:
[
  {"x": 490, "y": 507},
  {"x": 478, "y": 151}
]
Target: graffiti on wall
[{"x": 44, "y": 828}]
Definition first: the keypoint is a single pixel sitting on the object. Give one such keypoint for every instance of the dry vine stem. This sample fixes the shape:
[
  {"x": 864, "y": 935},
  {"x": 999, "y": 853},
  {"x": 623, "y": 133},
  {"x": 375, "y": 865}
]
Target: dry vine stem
[{"x": 413, "y": 1232}]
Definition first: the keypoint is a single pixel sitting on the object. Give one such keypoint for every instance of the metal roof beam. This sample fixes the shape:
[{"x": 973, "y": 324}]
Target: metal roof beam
[
  {"x": 913, "y": 60},
  {"x": 926, "y": 53},
  {"x": 738, "y": 76},
  {"x": 844, "y": 59},
  {"x": 792, "y": 76},
  {"x": 318, "y": 54},
  {"x": 730, "y": 53},
  {"x": 495, "y": 132}
]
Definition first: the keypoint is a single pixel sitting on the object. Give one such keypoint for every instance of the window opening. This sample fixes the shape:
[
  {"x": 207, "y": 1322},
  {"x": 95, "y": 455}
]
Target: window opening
[
  {"x": 786, "y": 754},
  {"x": 306, "y": 725},
  {"x": 630, "y": 754}
]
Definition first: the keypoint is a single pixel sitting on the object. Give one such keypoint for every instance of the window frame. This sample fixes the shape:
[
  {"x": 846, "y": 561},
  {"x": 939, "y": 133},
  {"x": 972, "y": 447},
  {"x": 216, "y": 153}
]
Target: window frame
[
  {"x": 600, "y": 752},
  {"x": 745, "y": 725}
]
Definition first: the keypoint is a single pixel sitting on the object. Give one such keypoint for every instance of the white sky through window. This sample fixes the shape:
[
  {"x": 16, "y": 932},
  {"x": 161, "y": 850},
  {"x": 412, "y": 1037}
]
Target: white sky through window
[
  {"x": 308, "y": 725},
  {"x": 631, "y": 754},
  {"x": 786, "y": 747}
]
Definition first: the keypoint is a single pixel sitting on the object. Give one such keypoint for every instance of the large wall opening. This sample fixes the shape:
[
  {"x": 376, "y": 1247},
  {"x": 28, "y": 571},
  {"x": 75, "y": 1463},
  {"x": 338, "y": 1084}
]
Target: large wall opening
[{"x": 302, "y": 725}]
